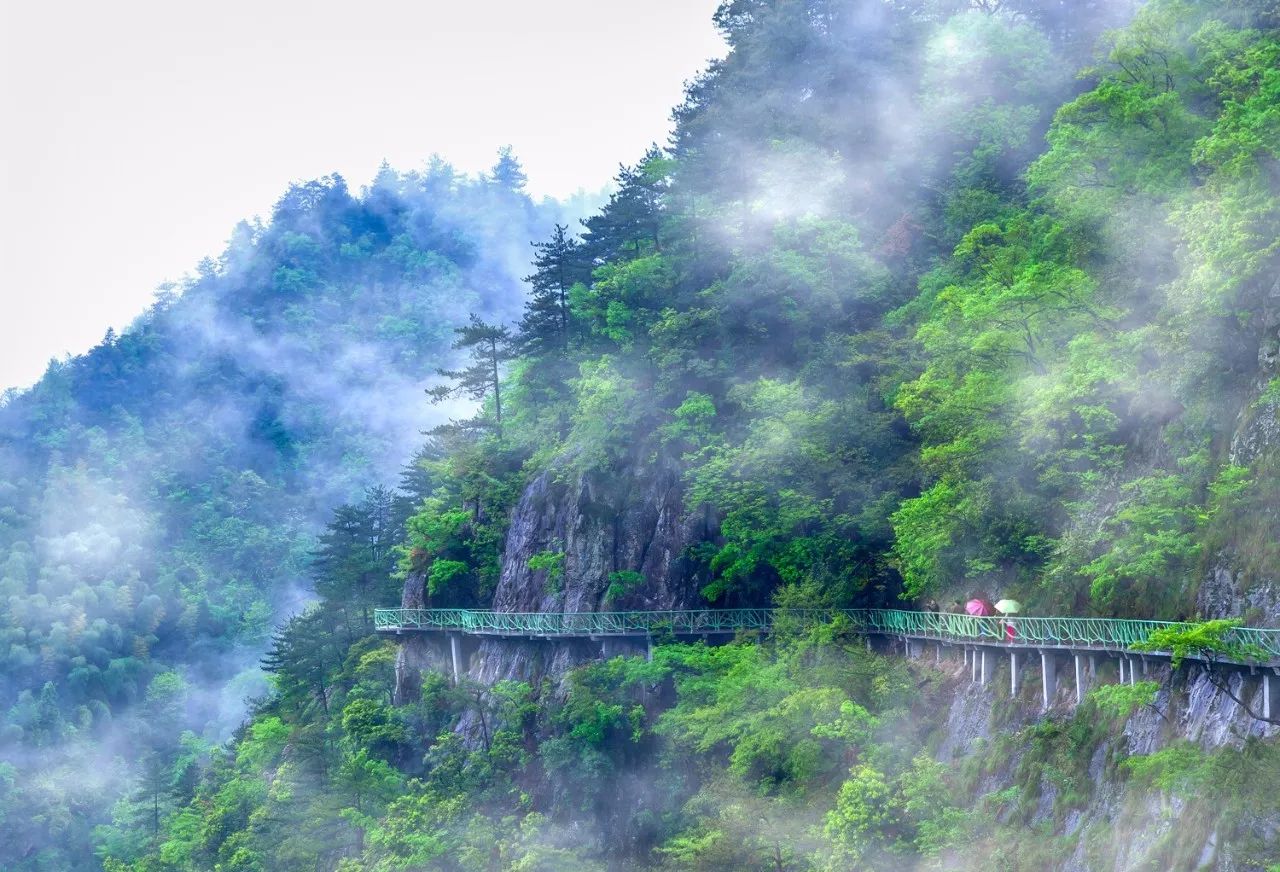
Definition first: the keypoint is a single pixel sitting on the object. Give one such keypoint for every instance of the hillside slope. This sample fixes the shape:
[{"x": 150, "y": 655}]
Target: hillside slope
[
  {"x": 162, "y": 493},
  {"x": 925, "y": 300}
]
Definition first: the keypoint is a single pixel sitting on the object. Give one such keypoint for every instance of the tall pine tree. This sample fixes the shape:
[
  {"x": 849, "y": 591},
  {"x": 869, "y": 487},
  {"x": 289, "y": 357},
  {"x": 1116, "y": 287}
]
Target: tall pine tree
[
  {"x": 355, "y": 559},
  {"x": 491, "y": 346},
  {"x": 631, "y": 221},
  {"x": 507, "y": 173},
  {"x": 560, "y": 263}
]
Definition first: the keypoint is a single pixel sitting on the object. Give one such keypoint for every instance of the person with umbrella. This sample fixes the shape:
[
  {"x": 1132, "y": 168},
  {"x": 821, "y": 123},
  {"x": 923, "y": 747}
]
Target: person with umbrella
[
  {"x": 979, "y": 607},
  {"x": 1007, "y": 607}
]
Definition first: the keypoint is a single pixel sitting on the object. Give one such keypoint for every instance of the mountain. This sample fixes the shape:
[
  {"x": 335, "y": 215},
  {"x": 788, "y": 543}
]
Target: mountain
[
  {"x": 924, "y": 300},
  {"x": 162, "y": 493}
]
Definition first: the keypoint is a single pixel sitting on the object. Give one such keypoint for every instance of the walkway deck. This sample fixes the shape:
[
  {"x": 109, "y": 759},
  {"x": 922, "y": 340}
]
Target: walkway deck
[
  {"x": 979, "y": 637},
  {"x": 1076, "y": 634}
]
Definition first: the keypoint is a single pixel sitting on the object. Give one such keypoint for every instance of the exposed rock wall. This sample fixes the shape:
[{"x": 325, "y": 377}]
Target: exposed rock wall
[
  {"x": 417, "y": 652},
  {"x": 1226, "y": 591},
  {"x": 1122, "y": 828},
  {"x": 631, "y": 519}
]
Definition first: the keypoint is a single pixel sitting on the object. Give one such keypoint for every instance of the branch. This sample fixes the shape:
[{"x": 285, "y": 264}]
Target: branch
[{"x": 1225, "y": 686}]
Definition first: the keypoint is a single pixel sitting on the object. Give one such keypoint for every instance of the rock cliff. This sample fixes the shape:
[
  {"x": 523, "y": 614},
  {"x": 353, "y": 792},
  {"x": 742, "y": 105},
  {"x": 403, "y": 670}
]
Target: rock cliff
[
  {"x": 1232, "y": 587},
  {"x": 1120, "y": 824},
  {"x": 633, "y": 521}
]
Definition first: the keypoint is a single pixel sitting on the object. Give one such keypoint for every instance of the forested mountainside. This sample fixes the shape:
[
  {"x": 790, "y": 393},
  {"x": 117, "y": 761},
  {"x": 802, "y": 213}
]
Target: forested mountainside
[
  {"x": 925, "y": 299},
  {"x": 162, "y": 493}
]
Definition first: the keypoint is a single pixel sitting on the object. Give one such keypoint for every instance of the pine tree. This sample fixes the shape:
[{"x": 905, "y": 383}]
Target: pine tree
[
  {"x": 559, "y": 264},
  {"x": 507, "y": 173},
  {"x": 491, "y": 346},
  {"x": 632, "y": 219},
  {"x": 304, "y": 652},
  {"x": 354, "y": 562},
  {"x": 418, "y": 480}
]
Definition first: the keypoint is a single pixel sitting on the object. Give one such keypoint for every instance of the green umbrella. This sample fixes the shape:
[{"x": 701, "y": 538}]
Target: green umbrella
[{"x": 1008, "y": 606}]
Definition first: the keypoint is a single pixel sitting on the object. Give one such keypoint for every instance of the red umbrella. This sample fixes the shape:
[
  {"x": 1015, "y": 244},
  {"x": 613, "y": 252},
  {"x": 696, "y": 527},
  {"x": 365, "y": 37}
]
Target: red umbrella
[{"x": 979, "y": 607}]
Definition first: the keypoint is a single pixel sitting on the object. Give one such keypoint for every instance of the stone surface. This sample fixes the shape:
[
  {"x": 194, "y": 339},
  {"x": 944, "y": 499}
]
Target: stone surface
[
  {"x": 1224, "y": 593},
  {"x": 632, "y": 519}
]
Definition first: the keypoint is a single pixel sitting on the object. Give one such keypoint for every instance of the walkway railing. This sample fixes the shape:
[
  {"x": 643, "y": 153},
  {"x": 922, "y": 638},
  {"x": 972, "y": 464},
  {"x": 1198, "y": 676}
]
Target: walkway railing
[{"x": 1100, "y": 633}]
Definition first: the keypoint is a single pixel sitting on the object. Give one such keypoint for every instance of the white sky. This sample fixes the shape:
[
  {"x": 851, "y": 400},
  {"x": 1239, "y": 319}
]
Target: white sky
[{"x": 139, "y": 131}]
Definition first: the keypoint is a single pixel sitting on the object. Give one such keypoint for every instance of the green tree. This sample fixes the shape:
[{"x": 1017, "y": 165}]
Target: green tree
[
  {"x": 490, "y": 348},
  {"x": 559, "y": 264}
]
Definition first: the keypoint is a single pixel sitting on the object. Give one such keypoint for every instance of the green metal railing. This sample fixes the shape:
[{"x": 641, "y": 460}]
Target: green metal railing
[
  {"x": 577, "y": 623},
  {"x": 1099, "y": 633}
]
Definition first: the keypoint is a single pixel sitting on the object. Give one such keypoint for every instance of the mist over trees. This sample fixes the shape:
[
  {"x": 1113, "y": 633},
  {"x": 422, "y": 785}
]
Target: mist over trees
[
  {"x": 924, "y": 299},
  {"x": 162, "y": 493}
]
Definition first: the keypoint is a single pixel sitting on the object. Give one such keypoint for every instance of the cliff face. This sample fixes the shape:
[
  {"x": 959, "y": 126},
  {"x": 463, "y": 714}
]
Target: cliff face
[
  {"x": 632, "y": 521},
  {"x": 1120, "y": 824},
  {"x": 1234, "y": 586}
]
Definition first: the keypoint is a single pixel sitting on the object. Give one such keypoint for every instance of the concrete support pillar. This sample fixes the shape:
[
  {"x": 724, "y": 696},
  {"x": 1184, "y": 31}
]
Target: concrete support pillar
[
  {"x": 868, "y": 642},
  {"x": 985, "y": 672},
  {"x": 973, "y": 665},
  {"x": 1093, "y": 667},
  {"x": 455, "y": 649},
  {"x": 1122, "y": 670},
  {"x": 1013, "y": 673},
  {"x": 648, "y": 648},
  {"x": 1079, "y": 678},
  {"x": 1048, "y": 678},
  {"x": 1146, "y": 666},
  {"x": 1133, "y": 671},
  {"x": 937, "y": 653},
  {"x": 1266, "y": 696}
]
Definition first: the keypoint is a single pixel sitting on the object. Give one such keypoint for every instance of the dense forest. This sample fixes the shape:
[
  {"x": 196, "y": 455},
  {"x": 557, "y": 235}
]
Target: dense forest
[
  {"x": 923, "y": 300},
  {"x": 162, "y": 493}
]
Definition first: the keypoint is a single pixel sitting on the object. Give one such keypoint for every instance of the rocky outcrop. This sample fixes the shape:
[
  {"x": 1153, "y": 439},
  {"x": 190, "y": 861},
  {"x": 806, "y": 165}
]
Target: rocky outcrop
[
  {"x": 1227, "y": 591},
  {"x": 417, "y": 652},
  {"x": 1258, "y": 429},
  {"x": 1123, "y": 827},
  {"x": 632, "y": 520}
]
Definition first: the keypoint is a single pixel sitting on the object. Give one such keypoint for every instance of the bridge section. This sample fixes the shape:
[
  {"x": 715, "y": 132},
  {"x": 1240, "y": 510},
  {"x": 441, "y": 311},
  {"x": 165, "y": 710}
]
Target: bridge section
[{"x": 981, "y": 639}]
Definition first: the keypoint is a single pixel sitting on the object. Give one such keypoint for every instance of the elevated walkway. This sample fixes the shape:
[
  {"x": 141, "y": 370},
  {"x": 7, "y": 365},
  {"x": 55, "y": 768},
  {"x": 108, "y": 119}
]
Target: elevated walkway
[{"x": 981, "y": 639}]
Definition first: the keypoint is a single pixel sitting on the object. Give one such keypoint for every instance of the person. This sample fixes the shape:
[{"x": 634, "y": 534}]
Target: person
[{"x": 1009, "y": 632}]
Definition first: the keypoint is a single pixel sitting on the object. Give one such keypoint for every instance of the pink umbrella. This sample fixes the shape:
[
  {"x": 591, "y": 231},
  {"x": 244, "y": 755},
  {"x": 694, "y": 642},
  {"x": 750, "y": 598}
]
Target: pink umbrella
[{"x": 979, "y": 607}]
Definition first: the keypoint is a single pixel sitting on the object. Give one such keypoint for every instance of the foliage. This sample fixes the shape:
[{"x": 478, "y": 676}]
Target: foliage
[
  {"x": 1208, "y": 640},
  {"x": 163, "y": 493},
  {"x": 904, "y": 310},
  {"x": 622, "y": 582},
  {"x": 1117, "y": 702},
  {"x": 552, "y": 564},
  {"x": 915, "y": 812}
]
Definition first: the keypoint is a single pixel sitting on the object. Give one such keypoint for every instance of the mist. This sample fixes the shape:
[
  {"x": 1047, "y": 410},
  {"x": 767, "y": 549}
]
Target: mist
[
  {"x": 165, "y": 490},
  {"x": 920, "y": 302}
]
